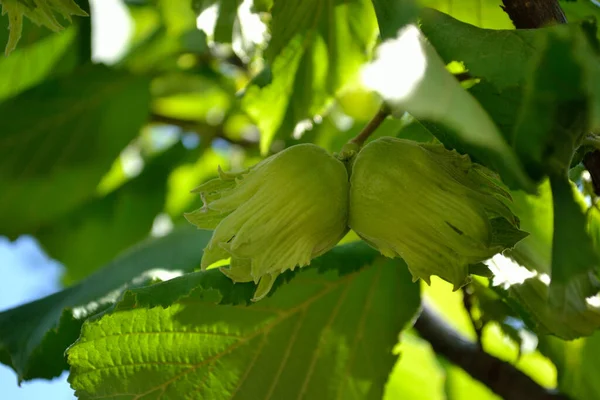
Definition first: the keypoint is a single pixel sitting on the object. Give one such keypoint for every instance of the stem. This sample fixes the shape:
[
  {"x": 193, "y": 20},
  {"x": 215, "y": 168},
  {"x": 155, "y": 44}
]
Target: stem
[
  {"x": 371, "y": 127},
  {"x": 501, "y": 377}
]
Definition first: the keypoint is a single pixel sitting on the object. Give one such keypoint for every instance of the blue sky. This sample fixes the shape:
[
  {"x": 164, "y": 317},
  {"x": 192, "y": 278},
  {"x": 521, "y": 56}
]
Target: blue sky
[{"x": 27, "y": 274}]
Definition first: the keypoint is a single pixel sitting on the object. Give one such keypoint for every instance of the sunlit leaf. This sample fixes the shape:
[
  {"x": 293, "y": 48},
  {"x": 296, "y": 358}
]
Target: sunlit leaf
[
  {"x": 209, "y": 343},
  {"x": 577, "y": 363},
  {"x": 53, "y": 162},
  {"x": 310, "y": 60},
  {"x": 34, "y": 336},
  {"x": 426, "y": 90}
]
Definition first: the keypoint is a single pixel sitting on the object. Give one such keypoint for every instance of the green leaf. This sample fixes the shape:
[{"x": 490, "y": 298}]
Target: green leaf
[
  {"x": 534, "y": 305},
  {"x": 393, "y": 15},
  {"x": 426, "y": 90},
  {"x": 42, "y": 13},
  {"x": 417, "y": 375},
  {"x": 574, "y": 274},
  {"x": 483, "y": 13},
  {"x": 558, "y": 105},
  {"x": 499, "y": 57},
  {"x": 310, "y": 60},
  {"x": 29, "y": 65},
  {"x": 536, "y": 217},
  {"x": 53, "y": 163},
  {"x": 557, "y": 225},
  {"x": 321, "y": 335},
  {"x": 461, "y": 386},
  {"x": 34, "y": 336},
  {"x": 93, "y": 234},
  {"x": 577, "y": 364}
]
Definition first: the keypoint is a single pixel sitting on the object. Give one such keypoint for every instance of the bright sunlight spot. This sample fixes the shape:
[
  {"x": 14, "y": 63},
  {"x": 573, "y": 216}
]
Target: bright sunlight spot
[
  {"x": 112, "y": 28},
  {"x": 507, "y": 272},
  {"x": 402, "y": 58}
]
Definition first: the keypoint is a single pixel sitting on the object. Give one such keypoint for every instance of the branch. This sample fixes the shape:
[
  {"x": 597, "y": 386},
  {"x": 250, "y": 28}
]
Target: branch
[
  {"x": 206, "y": 131},
  {"x": 533, "y": 14},
  {"x": 501, "y": 377}
]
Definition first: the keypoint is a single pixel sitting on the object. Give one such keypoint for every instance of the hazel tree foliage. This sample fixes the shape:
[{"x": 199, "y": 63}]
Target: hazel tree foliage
[{"x": 307, "y": 199}]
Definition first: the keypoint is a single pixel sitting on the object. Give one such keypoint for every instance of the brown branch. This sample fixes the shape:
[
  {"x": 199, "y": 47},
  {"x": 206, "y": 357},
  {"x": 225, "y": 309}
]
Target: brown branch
[
  {"x": 204, "y": 130},
  {"x": 531, "y": 14},
  {"x": 372, "y": 126},
  {"x": 501, "y": 377}
]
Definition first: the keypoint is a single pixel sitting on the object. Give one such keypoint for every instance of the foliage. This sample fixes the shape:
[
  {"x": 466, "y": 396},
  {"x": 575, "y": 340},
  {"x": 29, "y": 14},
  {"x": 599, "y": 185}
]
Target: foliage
[{"x": 98, "y": 162}]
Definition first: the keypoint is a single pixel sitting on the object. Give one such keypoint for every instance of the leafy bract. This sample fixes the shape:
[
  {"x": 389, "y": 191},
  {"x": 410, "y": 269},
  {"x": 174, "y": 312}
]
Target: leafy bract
[
  {"x": 329, "y": 332},
  {"x": 310, "y": 60},
  {"x": 52, "y": 163},
  {"x": 34, "y": 336},
  {"x": 42, "y": 12}
]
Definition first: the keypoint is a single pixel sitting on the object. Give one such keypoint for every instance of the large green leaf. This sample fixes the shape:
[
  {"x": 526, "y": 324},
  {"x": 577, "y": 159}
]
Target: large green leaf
[
  {"x": 483, "y": 13},
  {"x": 393, "y": 15},
  {"x": 327, "y": 333},
  {"x": 34, "y": 336},
  {"x": 561, "y": 100},
  {"x": 574, "y": 274},
  {"x": 59, "y": 138},
  {"x": 93, "y": 234},
  {"x": 40, "y": 54},
  {"x": 425, "y": 89},
  {"x": 547, "y": 250},
  {"x": 577, "y": 364},
  {"x": 497, "y": 56},
  {"x": 310, "y": 60},
  {"x": 568, "y": 322}
]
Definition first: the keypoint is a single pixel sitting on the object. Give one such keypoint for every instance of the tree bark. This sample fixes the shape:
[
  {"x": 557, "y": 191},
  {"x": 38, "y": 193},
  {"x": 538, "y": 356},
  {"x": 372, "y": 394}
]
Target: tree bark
[
  {"x": 501, "y": 377},
  {"x": 531, "y": 14}
]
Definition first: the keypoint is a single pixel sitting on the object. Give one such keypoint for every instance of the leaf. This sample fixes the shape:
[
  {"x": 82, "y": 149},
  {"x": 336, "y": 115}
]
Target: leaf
[
  {"x": 577, "y": 364},
  {"x": 557, "y": 225},
  {"x": 536, "y": 217},
  {"x": 42, "y": 12},
  {"x": 32, "y": 340},
  {"x": 393, "y": 15},
  {"x": 560, "y": 101},
  {"x": 29, "y": 65},
  {"x": 52, "y": 163},
  {"x": 574, "y": 273},
  {"x": 321, "y": 335},
  {"x": 93, "y": 234},
  {"x": 418, "y": 374},
  {"x": 426, "y": 90},
  {"x": 310, "y": 60},
  {"x": 534, "y": 305},
  {"x": 499, "y": 57},
  {"x": 483, "y": 13}
]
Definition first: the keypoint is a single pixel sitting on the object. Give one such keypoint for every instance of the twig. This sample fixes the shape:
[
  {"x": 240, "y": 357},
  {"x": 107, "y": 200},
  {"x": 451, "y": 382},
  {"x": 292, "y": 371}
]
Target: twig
[
  {"x": 371, "y": 127},
  {"x": 206, "y": 131},
  {"x": 501, "y": 377},
  {"x": 468, "y": 304}
]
